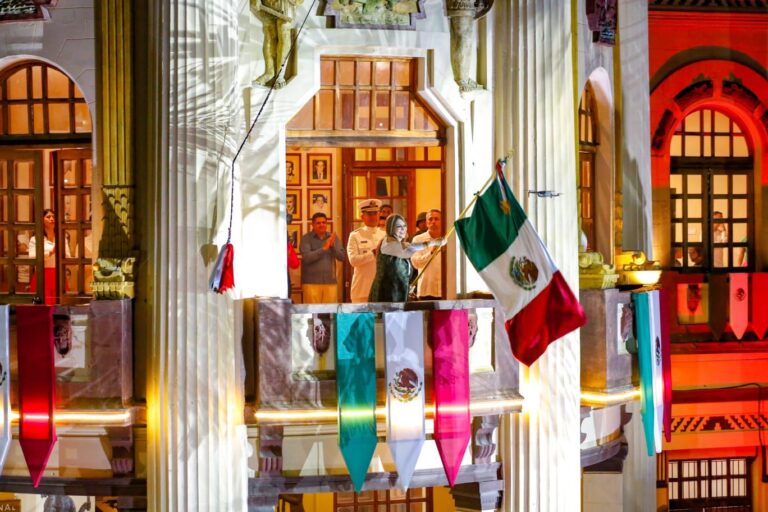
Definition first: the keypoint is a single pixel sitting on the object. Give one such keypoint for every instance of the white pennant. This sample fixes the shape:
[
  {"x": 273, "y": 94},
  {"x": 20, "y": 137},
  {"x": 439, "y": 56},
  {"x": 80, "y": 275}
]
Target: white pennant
[
  {"x": 5, "y": 385},
  {"x": 404, "y": 343}
]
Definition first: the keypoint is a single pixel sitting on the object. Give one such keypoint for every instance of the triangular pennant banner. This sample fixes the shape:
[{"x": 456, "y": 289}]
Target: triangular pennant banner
[
  {"x": 5, "y": 385},
  {"x": 37, "y": 380},
  {"x": 739, "y": 303},
  {"x": 450, "y": 369},
  {"x": 404, "y": 343},
  {"x": 760, "y": 303},
  {"x": 718, "y": 304},
  {"x": 356, "y": 389}
]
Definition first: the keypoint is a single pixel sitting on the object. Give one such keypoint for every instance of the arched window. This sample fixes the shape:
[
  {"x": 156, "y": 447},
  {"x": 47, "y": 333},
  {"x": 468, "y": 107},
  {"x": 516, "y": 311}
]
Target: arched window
[
  {"x": 45, "y": 164},
  {"x": 711, "y": 193},
  {"x": 588, "y": 142},
  {"x": 37, "y": 100}
]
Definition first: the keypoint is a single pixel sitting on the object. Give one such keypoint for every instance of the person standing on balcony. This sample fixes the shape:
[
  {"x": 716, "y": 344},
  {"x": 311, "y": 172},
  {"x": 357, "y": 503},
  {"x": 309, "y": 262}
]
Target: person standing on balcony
[
  {"x": 319, "y": 250},
  {"x": 430, "y": 285},
  {"x": 49, "y": 250},
  {"x": 393, "y": 263},
  {"x": 361, "y": 250}
]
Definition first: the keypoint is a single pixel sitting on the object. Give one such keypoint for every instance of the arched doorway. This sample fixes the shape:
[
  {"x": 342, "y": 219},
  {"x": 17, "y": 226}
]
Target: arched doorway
[{"x": 45, "y": 164}]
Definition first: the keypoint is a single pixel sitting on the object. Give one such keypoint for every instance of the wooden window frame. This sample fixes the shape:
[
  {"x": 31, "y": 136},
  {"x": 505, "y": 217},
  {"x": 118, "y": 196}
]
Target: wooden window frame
[
  {"x": 588, "y": 144},
  {"x": 702, "y": 503},
  {"x": 386, "y": 501},
  {"x": 735, "y": 131}
]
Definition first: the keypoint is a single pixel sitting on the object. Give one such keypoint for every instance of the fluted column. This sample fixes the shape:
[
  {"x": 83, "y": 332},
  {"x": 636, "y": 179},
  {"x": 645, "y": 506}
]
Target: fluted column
[
  {"x": 535, "y": 104},
  {"x": 196, "y": 453},
  {"x": 114, "y": 53}
]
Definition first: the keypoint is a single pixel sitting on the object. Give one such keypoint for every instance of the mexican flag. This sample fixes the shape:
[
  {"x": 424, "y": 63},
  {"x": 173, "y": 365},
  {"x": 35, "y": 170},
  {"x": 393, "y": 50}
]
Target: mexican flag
[{"x": 539, "y": 306}]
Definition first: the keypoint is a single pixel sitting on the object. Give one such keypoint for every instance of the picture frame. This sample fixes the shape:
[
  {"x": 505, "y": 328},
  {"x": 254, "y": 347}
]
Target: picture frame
[
  {"x": 319, "y": 169},
  {"x": 293, "y": 169},
  {"x": 293, "y": 204},
  {"x": 294, "y": 235},
  {"x": 320, "y": 201}
]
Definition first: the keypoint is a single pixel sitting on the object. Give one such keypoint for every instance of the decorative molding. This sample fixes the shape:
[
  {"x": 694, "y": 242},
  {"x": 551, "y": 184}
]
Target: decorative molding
[
  {"x": 121, "y": 441},
  {"x": 25, "y": 10},
  {"x": 666, "y": 124},
  {"x": 397, "y": 14},
  {"x": 483, "y": 439},
  {"x": 720, "y": 423},
  {"x": 735, "y": 90},
  {"x": 694, "y": 92},
  {"x": 113, "y": 278},
  {"x": 271, "y": 450}
]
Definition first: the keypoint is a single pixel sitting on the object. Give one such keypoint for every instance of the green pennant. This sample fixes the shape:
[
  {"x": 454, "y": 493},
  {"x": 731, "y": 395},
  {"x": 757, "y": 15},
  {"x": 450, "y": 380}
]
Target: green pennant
[{"x": 356, "y": 388}]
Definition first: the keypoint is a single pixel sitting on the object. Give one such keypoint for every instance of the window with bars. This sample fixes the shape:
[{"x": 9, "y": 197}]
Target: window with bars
[
  {"x": 708, "y": 482},
  {"x": 39, "y": 101},
  {"x": 394, "y": 500},
  {"x": 711, "y": 194},
  {"x": 588, "y": 142}
]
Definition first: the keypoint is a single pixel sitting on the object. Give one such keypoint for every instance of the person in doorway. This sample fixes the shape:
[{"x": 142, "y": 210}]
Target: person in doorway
[
  {"x": 719, "y": 236},
  {"x": 430, "y": 285},
  {"x": 49, "y": 251},
  {"x": 393, "y": 262},
  {"x": 319, "y": 252},
  {"x": 386, "y": 211},
  {"x": 421, "y": 225},
  {"x": 361, "y": 250},
  {"x": 695, "y": 256}
]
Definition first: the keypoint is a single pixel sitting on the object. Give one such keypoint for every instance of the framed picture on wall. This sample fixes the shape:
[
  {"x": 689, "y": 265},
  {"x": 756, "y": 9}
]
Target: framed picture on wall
[
  {"x": 320, "y": 169},
  {"x": 293, "y": 204},
  {"x": 293, "y": 169},
  {"x": 319, "y": 201},
  {"x": 294, "y": 235}
]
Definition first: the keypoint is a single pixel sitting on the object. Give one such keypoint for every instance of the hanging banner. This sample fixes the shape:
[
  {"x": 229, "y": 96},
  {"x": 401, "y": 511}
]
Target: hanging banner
[
  {"x": 5, "y": 385},
  {"x": 404, "y": 344},
  {"x": 450, "y": 369},
  {"x": 666, "y": 361},
  {"x": 738, "y": 315},
  {"x": 760, "y": 303},
  {"x": 648, "y": 324},
  {"x": 719, "y": 298},
  {"x": 356, "y": 389},
  {"x": 37, "y": 380}
]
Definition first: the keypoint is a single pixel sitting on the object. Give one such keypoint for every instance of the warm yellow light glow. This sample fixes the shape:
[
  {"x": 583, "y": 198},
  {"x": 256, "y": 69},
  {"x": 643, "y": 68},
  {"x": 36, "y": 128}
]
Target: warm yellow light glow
[
  {"x": 81, "y": 417},
  {"x": 610, "y": 398},
  {"x": 310, "y": 415},
  {"x": 646, "y": 277}
]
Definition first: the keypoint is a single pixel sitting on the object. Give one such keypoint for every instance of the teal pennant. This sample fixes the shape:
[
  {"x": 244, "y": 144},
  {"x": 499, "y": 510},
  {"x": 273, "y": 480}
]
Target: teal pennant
[{"x": 356, "y": 388}]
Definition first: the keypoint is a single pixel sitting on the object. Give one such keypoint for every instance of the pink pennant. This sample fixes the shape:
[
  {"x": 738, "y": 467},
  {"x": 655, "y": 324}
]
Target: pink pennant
[
  {"x": 760, "y": 303},
  {"x": 450, "y": 369},
  {"x": 666, "y": 361},
  {"x": 739, "y": 303},
  {"x": 37, "y": 381}
]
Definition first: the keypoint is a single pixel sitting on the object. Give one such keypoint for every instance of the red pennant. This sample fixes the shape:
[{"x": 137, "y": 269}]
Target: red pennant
[
  {"x": 739, "y": 303},
  {"x": 223, "y": 273},
  {"x": 450, "y": 370},
  {"x": 37, "y": 382},
  {"x": 666, "y": 361},
  {"x": 760, "y": 303}
]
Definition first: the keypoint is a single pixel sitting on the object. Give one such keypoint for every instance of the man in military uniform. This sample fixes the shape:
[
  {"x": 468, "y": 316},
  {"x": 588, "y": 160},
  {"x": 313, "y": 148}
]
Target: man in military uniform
[{"x": 361, "y": 250}]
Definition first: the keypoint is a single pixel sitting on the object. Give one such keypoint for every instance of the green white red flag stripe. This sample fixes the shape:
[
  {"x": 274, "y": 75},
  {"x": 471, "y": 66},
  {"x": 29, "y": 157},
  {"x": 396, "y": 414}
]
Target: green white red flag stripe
[
  {"x": 503, "y": 246},
  {"x": 5, "y": 384}
]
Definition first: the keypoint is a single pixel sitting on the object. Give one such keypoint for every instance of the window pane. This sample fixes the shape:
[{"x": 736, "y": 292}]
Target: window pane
[
  {"x": 721, "y": 206},
  {"x": 707, "y": 120},
  {"x": 71, "y": 273},
  {"x": 87, "y": 244},
  {"x": 722, "y": 123},
  {"x": 694, "y": 184},
  {"x": 692, "y": 145},
  {"x": 69, "y": 173},
  {"x": 23, "y": 176},
  {"x": 347, "y": 111},
  {"x": 58, "y": 118},
  {"x": 740, "y": 209},
  {"x": 692, "y": 122},
  {"x": 17, "y": 85},
  {"x": 4, "y": 280},
  {"x": 675, "y": 148},
  {"x": 704, "y": 488},
  {"x": 18, "y": 120},
  {"x": 402, "y": 73},
  {"x": 678, "y": 232},
  {"x": 704, "y": 468},
  {"x": 3, "y": 174},
  {"x": 22, "y": 243},
  {"x": 720, "y": 184},
  {"x": 5, "y": 249},
  {"x": 58, "y": 84},
  {"x": 694, "y": 232},
  {"x": 402, "y": 102},
  {"x": 364, "y": 154},
  {"x": 37, "y": 82},
  {"x": 740, "y": 147},
  {"x": 739, "y": 233},
  {"x": 418, "y": 492},
  {"x": 418, "y": 507},
  {"x": 23, "y": 276},
  {"x": 676, "y": 183},
  {"x": 345, "y": 497},
  {"x": 364, "y": 110},
  {"x": 382, "y": 186},
  {"x": 689, "y": 469},
  {"x": 383, "y": 154},
  {"x": 707, "y": 140},
  {"x": 719, "y": 465},
  {"x": 327, "y": 72},
  {"x": 365, "y": 497},
  {"x": 739, "y": 184},
  {"x": 399, "y": 507},
  {"x": 346, "y": 72},
  {"x": 722, "y": 145},
  {"x": 738, "y": 467},
  {"x": 88, "y": 274},
  {"x": 325, "y": 115},
  {"x": 694, "y": 208},
  {"x": 721, "y": 257},
  {"x": 673, "y": 495},
  {"x": 72, "y": 242},
  {"x": 87, "y": 171},
  {"x": 3, "y": 208},
  {"x": 82, "y": 118},
  {"x": 86, "y": 207},
  {"x": 25, "y": 208},
  {"x": 434, "y": 153},
  {"x": 38, "y": 118}
]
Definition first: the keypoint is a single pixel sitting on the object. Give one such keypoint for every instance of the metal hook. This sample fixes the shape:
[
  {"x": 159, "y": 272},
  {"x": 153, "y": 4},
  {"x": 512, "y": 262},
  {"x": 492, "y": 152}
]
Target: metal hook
[{"x": 544, "y": 193}]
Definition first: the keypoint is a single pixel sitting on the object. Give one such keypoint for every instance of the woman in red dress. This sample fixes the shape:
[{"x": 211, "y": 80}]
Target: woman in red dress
[{"x": 49, "y": 247}]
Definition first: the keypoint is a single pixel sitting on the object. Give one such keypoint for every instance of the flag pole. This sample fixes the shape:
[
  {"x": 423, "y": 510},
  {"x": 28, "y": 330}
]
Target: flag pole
[{"x": 463, "y": 213}]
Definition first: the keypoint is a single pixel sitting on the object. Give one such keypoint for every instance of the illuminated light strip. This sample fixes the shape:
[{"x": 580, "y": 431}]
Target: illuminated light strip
[
  {"x": 304, "y": 415},
  {"x": 81, "y": 417},
  {"x": 610, "y": 398}
]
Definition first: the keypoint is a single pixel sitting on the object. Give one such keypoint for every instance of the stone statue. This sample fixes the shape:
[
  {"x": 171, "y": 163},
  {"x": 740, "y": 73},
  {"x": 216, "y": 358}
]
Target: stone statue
[
  {"x": 276, "y": 18},
  {"x": 463, "y": 14}
]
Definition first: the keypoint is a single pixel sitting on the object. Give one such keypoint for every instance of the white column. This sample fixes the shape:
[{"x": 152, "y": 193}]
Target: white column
[
  {"x": 535, "y": 103},
  {"x": 196, "y": 456}
]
